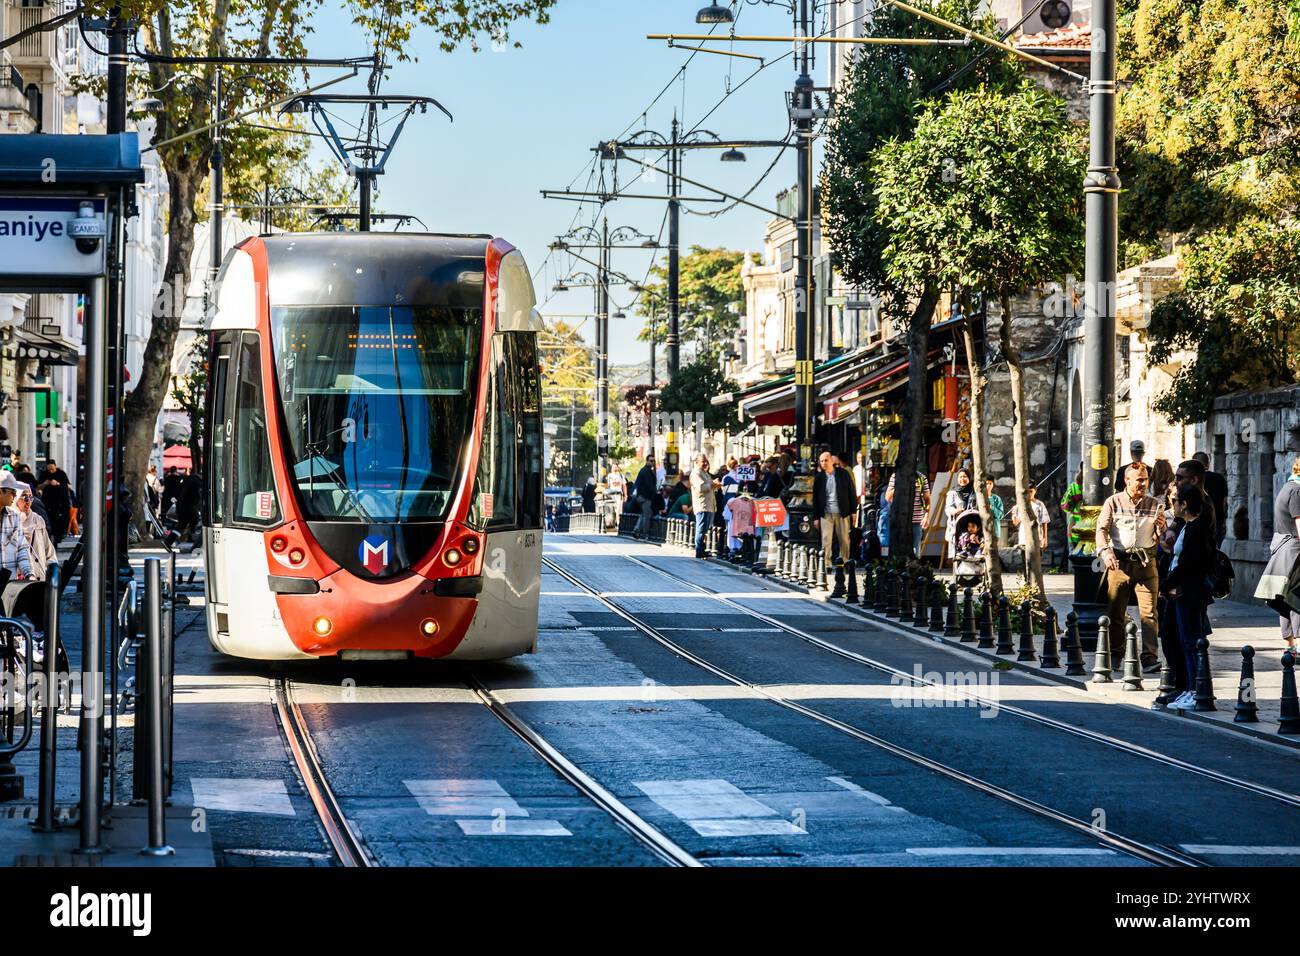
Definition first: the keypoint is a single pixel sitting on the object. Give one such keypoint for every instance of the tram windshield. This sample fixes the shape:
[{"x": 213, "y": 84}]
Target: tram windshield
[{"x": 378, "y": 402}]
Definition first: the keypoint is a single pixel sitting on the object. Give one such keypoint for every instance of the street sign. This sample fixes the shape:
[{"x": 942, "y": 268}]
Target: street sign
[
  {"x": 52, "y": 236},
  {"x": 769, "y": 513}
]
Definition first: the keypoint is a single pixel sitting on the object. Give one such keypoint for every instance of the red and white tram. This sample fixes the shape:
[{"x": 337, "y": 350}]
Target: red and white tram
[{"x": 374, "y": 462}]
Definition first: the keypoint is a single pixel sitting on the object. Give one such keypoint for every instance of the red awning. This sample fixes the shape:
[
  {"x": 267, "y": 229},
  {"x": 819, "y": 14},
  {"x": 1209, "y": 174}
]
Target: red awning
[
  {"x": 178, "y": 456},
  {"x": 784, "y": 416}
]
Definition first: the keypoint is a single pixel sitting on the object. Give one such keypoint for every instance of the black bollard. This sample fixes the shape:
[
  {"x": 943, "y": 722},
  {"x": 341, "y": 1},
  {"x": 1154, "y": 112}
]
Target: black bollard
[
  {"x": 821, "y": 570},
  {"x": 1247, "y": 709},
  {"x": 1166, "y": 687},
  {"x": 968, "y": 616},
  {"x": 1004, "y": 627},
  {"x": 1051, "y": 649},
  {"x": 1026, "y": 632},
  {"x": 1290, "y": 709},
  {"x": 938, "y": 594},
  {"x": 922, "y": 615},
  {"x": 952, "y": 625},
  {"x": 851, "y": 580},
  {"x": 1132, "y": 664},
  {"x": 1204, "y": 678},
  {"x": 892, "y": 586},
  {"x": 905, "y": 598},
  {"x": 839, "y": 590},
  {"x": 1074, "y": 665},
  {"x": 880, "y": 577},
  {"x": 985, "y": 620},
  {"x": 1101, "y": 659}
]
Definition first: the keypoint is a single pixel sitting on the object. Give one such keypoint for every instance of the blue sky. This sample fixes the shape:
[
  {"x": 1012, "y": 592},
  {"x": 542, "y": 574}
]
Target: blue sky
[{"x": 526, "y": 119}]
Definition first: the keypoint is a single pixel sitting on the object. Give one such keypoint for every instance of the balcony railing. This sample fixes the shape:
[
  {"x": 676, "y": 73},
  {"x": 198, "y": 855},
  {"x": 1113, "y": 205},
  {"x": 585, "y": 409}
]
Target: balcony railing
[{"x": 38, "y": 47}]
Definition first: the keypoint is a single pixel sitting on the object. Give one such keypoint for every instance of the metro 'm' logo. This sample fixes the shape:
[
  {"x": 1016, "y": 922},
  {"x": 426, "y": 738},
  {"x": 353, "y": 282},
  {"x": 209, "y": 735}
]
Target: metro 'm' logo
[{"x": 373, "y": 554}]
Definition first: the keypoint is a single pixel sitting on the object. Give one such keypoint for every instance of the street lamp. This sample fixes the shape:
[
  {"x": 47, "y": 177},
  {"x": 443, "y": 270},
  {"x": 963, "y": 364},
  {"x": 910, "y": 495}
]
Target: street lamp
[
  {"x": 732, "y": 155},
  {"x": 714, "y": 13}
]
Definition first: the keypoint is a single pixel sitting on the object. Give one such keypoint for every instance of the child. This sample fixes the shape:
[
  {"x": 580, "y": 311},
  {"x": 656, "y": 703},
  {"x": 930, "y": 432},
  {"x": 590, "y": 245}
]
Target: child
[{"x": 970, "y": 543}]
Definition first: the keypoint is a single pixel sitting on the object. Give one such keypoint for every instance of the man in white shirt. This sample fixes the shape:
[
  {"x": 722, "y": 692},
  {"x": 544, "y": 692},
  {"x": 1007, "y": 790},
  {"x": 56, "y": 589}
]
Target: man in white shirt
[{"x": 860, "y": 485}]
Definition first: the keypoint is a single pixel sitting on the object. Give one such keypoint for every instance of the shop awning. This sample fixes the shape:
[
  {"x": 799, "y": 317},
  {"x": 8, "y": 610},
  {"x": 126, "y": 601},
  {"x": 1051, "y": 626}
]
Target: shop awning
[{"x": 177, "y": 456}]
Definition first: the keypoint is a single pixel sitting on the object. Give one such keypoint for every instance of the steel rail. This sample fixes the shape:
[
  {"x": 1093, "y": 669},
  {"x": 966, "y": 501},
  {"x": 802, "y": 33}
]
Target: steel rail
[
  {"x": 1151, "y": 853},
  {"x": 346, "y": 844},
  {"x": 1115, "y": 743},
  {"x": 660, "y": 844}
]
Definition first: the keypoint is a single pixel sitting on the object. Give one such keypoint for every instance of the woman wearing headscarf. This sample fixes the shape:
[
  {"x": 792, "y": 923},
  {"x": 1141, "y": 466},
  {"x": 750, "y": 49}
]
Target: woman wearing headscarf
[{"x": 961, "y": 497}]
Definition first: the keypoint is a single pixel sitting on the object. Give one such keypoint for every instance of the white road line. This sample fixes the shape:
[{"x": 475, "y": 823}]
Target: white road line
[
  {"x": 470, "y": 798},
  {"x": 715, "y": 807},
  {"x": 1198, "y": 849},
  {"x": 482, "y": 808},
  {"x": 504, "y": 827},
  {"x": 242, "y": 795},
  {"x": 1009, "y": 851},
  {"x": 850, "y": 785}
]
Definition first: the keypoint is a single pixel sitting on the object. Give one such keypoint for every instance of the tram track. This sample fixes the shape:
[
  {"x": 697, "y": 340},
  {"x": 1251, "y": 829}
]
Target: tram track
[
  {"x": 655, "y": 840},
  {"x": 1115, "y": 743},
  {"x": 347, "y": 846},
  {"x": 1148, "y": 852}
]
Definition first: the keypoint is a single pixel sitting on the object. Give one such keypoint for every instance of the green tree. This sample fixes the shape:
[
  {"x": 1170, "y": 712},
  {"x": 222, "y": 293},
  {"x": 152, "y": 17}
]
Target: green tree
[
  {"x": 708, "y": 285},
  {"x": 1208, "y": 122},
  {"x": 568, "y": 372},
  {"x": 987, "y": 195},
  {"x": 188, "y": 28},
  {"x": 691, "y": 393},
  {"x": 885, "y": 88}
]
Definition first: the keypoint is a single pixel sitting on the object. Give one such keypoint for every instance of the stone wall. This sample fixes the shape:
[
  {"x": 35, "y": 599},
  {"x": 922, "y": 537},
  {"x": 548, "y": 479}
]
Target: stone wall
[{"x": 1252, "y": 438}]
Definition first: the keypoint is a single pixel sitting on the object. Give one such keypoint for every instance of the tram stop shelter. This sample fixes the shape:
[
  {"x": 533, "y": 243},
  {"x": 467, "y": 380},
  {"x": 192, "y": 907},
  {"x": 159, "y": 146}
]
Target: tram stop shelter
[{"x": 56, "y": 229}]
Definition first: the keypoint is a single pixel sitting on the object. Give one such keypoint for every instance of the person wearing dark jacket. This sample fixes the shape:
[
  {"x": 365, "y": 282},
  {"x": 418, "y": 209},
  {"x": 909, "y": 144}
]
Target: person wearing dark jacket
[
  {"x": 646, "y": 491},
  {"x": 834, "y": 503},
  {"x": 1190, "y": 581}
]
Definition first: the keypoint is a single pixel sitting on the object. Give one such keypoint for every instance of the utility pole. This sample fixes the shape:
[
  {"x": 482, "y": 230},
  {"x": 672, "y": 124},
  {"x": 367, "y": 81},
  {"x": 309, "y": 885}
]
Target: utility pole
[
  {"x": 602, "y": 352},
  {"x": 218, "y": 186},
  {"x": 674, "y": 253},
  {"x": 803, "y": 329},
  {"x": 1101, "y": 208}
]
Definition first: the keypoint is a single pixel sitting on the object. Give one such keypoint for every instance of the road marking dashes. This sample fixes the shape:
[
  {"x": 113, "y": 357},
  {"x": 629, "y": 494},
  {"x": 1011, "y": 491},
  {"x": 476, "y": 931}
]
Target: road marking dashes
[
  {"x": 854, "y": 788},
  {"x": 1200, "y": 849},
  {"x": 716, "y": 807},
  {"x": 1009, "y": 851},
  {"x": 242, "y": 795},
  {"x": 481, "y": 808}
]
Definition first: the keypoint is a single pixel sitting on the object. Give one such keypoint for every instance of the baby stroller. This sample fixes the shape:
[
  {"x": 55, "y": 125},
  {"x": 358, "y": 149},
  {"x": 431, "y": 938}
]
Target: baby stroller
[{"x": 968, "y": 559}]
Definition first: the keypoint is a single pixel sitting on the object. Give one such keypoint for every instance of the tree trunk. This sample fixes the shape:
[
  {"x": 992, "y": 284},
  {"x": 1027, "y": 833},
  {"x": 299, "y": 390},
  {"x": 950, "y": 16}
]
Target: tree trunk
[
  {"x": 1020, "y": 451},
  {"x": 909, "y": 442},
  {"x": 143, "y": 403},
  {"x": 992, "y": 557}
]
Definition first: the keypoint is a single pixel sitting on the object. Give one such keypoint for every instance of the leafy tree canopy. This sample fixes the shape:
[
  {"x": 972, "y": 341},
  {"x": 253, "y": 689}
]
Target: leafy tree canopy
[
  {"x": 1209, "y": 134},
  {"x": 885, "y": 88},
  {"x": 568, "y": 372},
  {"x": 708, "y": 283},
  {"x": 986, "y": 194},
  {"x": 692, "y": 390}
]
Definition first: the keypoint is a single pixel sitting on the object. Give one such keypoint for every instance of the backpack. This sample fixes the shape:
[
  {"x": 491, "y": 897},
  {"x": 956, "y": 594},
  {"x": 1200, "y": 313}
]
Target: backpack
[{"x": 1221, "y": 579}]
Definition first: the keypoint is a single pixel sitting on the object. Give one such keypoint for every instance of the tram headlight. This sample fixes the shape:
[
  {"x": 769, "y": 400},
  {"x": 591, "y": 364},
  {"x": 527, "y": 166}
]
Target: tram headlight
[
  {"x": 279, "y": 543},
  {"x": 470, "y": 545},
  {"x": 296, "y": 556},
  {"x": 428, "y": 627},
  {"x": 322, "y": 625},
  {"x": 451, "y": 557}
]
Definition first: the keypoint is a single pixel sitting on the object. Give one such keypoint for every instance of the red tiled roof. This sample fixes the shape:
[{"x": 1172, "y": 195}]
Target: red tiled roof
[{"x": 1075, "y": 35}]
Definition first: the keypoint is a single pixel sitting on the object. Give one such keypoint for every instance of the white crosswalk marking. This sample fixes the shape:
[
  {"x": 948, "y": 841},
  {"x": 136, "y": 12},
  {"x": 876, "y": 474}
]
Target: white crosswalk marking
[
  {"x": 1198, "y": 849},
  {"x": 481, "y": 808},
  {"x": 716, "y": 807},
  {"x": 242, "y": 795}
]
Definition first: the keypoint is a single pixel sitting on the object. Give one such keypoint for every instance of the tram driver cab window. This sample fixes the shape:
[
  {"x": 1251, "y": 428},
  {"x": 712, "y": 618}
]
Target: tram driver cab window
[{"x": 253, "y": 480}]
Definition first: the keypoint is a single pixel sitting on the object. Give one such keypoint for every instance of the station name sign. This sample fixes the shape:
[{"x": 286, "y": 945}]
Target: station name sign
[{"x": 52, "y": 236}]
